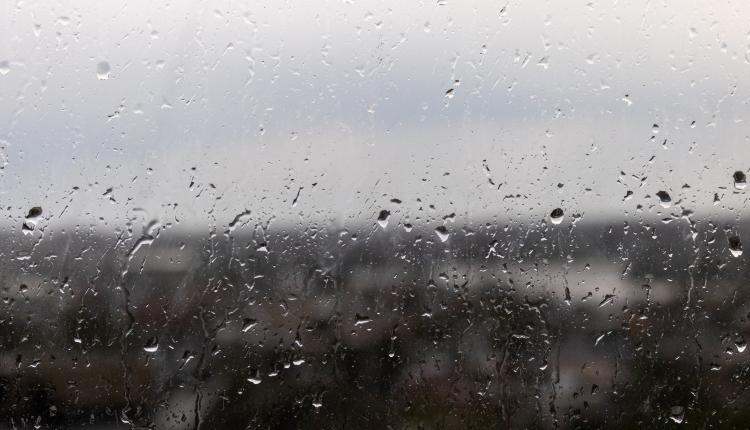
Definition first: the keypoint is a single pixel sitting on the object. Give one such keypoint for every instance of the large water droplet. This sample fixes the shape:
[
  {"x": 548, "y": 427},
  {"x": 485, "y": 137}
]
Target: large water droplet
[
  {"x": 102, "y": 70},
  {"x": 735, "y": 246},
  {"x": 740, "y": 180},
  {"x": 248, "y": 324},
  {"x": 152, "y": 345},
  {"x": 34, "y": 212},
  {"x": 29, "y": 223},
  {"x": 664, "y": 199},
  {"x": 383, "y": 218},
  {"x": 4, "y": 67},
  {"x": 442, "y": 233},
  {"x": 677, "y": 414},
  {"x": 556, "y": 216}
]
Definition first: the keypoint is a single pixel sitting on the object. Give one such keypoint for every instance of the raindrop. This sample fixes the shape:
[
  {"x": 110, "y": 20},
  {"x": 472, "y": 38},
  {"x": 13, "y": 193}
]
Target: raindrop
[
  {"x": 740, "y": 180},
  {"x": 152, "y": 345},
  {"x": 735, "y": 246},
  {"x": 677, "y": 414},
  {"x": 34, "y": 212},
  {"x": 248, "y": 324},
  {"x": 556, "y": 216},
  {"x": 664, "y": 199},
  {"x": 442, "y": 233},
  {"x": 361, "y": 319},
  {"x": 31, "y": 219},
  {"x": 4, "y": 67},
  {"x": 254, "y": 378},
  {"x": 102, "y": 70},
  {"x": 383, "y": 218}
]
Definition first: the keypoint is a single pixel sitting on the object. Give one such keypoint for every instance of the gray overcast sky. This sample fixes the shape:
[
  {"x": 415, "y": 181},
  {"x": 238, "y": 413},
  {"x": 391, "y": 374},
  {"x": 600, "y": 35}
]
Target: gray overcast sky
[{"x": 343, "y": 105}]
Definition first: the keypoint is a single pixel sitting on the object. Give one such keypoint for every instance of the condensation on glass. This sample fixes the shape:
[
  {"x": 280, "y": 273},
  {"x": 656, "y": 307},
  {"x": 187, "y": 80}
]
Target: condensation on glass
[{"x": 374, "y": 214}]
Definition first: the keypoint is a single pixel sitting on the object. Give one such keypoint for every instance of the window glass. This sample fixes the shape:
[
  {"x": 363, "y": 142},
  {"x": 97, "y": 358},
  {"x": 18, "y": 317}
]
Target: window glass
[{"x": 374, "y": 214}]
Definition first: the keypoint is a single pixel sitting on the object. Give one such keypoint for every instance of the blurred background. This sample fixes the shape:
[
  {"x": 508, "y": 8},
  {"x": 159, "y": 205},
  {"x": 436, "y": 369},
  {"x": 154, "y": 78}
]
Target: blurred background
[{"x": 368, "y": 214}]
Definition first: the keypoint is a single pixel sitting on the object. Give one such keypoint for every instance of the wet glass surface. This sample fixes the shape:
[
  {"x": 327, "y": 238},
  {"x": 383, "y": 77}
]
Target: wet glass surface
[{"x": 370, "y": 215}]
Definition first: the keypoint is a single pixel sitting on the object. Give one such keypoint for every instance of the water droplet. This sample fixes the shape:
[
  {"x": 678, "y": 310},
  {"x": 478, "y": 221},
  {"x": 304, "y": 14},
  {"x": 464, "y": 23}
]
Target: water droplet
[
  {"x": 442, "y": 233},
  {"x": 361, "y": 319},
  {"x": 677, "y": 414},
  {"x": 735, "y": 246},
  {"x": 740, "y": 180},
  {"x": 4, "y": 67},
  {"x": 664, "y": 199},
  {"x": 740, "y": 345},
  {"x": 383, "y": 218},
  {"x": 248, "y": 324},
  {"x": 102, "y": 70},
  {"x": 556, "y": 216},
  {"x": 34, "y": 212},
  {"x": 152, "y": 345},
  {"x": 31, "y": 220},
  {"x": 655, "y": 129}
]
